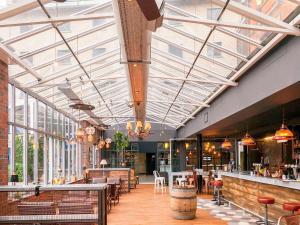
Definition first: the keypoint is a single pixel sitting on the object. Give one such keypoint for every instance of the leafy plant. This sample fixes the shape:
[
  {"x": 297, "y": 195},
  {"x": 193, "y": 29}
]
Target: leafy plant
[{"x": 121, "y": 141}]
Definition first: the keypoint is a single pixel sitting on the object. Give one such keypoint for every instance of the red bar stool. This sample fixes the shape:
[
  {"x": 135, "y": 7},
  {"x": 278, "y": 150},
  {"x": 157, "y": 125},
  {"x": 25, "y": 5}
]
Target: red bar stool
[
  {"x": 291, "y": 206},
  {"x": 266, "y": 201},
  {"x": 218, "y": 184}
]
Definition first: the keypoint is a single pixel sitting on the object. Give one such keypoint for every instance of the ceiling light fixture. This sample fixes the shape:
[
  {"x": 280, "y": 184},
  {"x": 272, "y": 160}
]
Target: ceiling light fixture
[
  {"x": 140, "y": 131},
  {"x": 226, "y": 144},
  {"x": 248, "y": 140}
]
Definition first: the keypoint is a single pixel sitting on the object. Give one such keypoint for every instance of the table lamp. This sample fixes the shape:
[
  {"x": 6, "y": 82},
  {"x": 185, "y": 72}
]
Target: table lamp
[{"x": 103, "y": 163}]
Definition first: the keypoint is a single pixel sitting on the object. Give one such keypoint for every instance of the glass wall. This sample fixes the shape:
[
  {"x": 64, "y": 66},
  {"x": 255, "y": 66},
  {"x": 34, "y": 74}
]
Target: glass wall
[{"x": 38, "y": 141}]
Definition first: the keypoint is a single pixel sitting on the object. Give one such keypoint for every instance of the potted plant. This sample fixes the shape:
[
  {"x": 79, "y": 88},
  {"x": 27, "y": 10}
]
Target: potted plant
[{"x": 121, "y": 142}]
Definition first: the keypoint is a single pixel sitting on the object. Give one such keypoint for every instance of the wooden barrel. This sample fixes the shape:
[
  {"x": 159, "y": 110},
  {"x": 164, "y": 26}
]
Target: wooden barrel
[{"x": 183, "y": 202}]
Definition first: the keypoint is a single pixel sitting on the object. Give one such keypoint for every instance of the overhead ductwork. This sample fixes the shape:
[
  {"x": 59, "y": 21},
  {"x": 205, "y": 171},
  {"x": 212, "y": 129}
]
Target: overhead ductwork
[{"x": 135, "y": 32}]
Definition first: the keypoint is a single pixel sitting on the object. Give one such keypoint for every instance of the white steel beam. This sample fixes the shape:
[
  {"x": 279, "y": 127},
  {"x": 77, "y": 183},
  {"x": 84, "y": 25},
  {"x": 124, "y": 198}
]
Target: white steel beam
[
  {"x": 19, "y": 7},
  {"x": 72, "y": 38},
  {"x": 256, "y": 15},
  {"x": 233, "y": 25},
  {"x": 189, "y": 80},
  {"x": 73, "y": 68},
  {"x": 68, "y": 55},
  {"x": 214, "y": 61},
  {"x": 211, "y": 44},
  {"x": 223, "y": 30},
  {"x": 196, "y": 80},
  {"x": 249, "y": 64},
  {"x": 202, "y": 90},
  {"x": 20, "y": 62},
  {"x": 111, "y": 77},
  {"x": 197, "y": 68},
  {"x": 64, "y": 19},
  {"x": 41, "y": 29}
]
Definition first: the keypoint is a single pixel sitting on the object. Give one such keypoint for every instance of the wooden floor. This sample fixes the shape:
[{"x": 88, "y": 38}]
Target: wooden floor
[{"x": 143, "y": 207}]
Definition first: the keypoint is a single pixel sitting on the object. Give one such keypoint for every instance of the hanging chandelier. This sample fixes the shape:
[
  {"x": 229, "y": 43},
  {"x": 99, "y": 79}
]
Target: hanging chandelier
[
  {"x": 248, "y": 140},
  {"x": 80, "y": 133},
  {"x": 226, "y": 144},
  {"x": 90, "y": 131},
  {"x": 104, "y": 143},
  {"x": 108, "y": 142},
  {"x": 140, "y": 131},
  {"x": 283, "y": 134},
  {"x": 101, "y": 143}
]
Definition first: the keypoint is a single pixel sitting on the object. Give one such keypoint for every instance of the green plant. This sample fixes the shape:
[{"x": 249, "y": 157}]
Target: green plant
[{"x": 121, "y": 141}]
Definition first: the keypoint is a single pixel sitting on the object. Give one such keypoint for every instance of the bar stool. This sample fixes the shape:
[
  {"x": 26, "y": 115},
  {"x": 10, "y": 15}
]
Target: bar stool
[
  {"x": 266, "y": 201},
  {"x": 291, "y": 206},
  {"x": 218, "y": 184}
]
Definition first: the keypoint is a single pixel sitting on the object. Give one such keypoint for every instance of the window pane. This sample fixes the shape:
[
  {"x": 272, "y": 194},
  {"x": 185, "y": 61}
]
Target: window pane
[
  {"x": 10, "y": 115},
  {"x": 55, "y": 122},
  {"x": 213, "y": 13},
  {"x": 9, "y": 150},
  {"x": 30, "y": 156},
  {"x": 41, "y": 115},
  {"x": 49, "y": 119},
  {"x": 41, "y": 159},
  {"x": 19, "y": 148},
  {"x": 62, "y": 52},
  {"x": 20, "y": 106},
  {"x": 175, "y": 51},
  {"x": 31, "y": 112}
]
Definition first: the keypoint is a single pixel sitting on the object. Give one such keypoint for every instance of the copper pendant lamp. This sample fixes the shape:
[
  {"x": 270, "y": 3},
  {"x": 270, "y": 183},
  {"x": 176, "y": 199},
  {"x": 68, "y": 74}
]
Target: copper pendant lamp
[
  {"x": 248, "y": 140},
  {"x": 226, "y": 144},
  {"x": 283, "y": 134}
]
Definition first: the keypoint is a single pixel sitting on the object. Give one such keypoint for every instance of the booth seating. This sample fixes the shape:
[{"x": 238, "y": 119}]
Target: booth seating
[{"x": 265, "y": 201}]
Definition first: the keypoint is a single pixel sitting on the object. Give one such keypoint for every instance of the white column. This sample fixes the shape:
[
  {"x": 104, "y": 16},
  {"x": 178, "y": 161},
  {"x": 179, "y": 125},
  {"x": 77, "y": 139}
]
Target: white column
[
  {"x": 63, "y": 154},
  {"x": 50, "y": 151},
  {"x": 46, "y": 148},
  {"x": 93, "y": 157},
  {"x": 36, "y": 142},
  {"x": 73, "y": 151},
  {"x": 69, "y": 150},
  {"x": 25, "y": 141},
  {"x": 45, "y": 166},
  {"x": 13, "y": 132}
]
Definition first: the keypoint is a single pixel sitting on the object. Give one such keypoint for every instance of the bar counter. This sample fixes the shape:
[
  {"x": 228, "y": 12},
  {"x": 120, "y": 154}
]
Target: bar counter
[{"x": 244, "y": 189}]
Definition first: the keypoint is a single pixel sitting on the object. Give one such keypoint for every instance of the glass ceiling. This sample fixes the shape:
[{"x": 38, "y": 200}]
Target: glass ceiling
[{"x": 191, "y": 61}]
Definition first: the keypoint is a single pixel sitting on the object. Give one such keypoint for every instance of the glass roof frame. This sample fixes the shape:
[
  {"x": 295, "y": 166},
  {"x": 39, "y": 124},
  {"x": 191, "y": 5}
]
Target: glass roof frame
[{"x": 199, "y": 81}]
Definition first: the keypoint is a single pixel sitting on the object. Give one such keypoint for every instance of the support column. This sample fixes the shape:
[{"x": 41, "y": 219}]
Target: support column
[
  {"x": 3, "y": 123},
  {"x": 199, "y": 160}
]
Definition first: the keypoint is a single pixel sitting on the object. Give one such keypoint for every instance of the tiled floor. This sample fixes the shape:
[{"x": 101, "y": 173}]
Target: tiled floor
[{"x": 233, "y": 215}]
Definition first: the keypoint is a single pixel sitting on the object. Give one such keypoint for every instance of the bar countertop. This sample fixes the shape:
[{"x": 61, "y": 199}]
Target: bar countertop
[{"x": 293, "y": 184}]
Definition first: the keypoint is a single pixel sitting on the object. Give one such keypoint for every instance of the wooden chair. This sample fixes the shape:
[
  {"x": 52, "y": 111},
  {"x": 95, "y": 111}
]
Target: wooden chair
[{"x": 114, "y": 193}]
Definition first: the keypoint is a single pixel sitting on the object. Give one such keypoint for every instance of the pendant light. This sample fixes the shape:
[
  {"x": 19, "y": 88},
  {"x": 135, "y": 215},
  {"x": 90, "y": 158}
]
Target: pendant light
[
  {"x": 283, "y": 134},
  {"x": 248, "y": 140},
  {"x": 226, "y": 144},
  {"x": 90, "y": 131}
]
